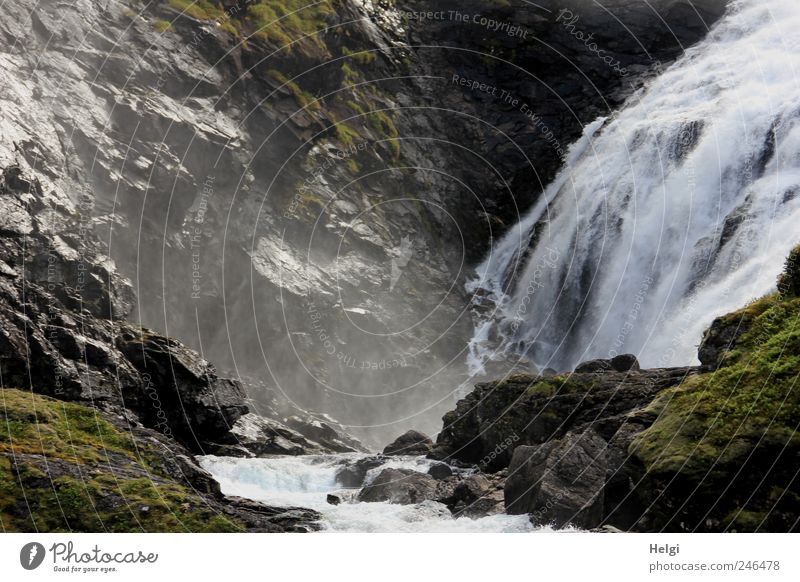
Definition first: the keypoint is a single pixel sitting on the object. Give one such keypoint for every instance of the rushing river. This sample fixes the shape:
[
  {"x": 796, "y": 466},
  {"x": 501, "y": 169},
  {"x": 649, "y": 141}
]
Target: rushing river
[{"x": 306, "y": 481}]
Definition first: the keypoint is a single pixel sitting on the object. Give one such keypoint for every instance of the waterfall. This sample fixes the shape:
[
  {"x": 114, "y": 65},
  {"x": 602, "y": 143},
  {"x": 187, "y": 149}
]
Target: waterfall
[{"x": 680, "y": 207}]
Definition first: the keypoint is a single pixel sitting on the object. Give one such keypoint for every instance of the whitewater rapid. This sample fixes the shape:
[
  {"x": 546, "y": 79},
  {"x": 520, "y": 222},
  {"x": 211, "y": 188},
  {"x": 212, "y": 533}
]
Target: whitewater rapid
[
  {"x": 305, "y": 481},
  {"x": 680, "y": 207}
]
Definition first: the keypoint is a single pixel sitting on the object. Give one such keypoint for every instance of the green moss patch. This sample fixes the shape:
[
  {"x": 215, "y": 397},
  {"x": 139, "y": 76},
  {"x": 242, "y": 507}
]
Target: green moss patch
[
  {"x": 161, "y": 25},
  {"x": 64, "y": 467},
  {"x": 753, "y": 397},
  {"x": 199, "y": 9},
  {"x": 301, "y": 97},
  {"x": 285, "y": 21},
  {"x": 736, "y": 423}
]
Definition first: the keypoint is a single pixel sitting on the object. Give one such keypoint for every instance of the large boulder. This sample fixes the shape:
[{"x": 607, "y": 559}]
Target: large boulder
[
  {"x": 560, "y": 482},
  {"x": 440, "y": 471},
  {"x": 354, "y": 472},
  {"x": 410, "y": 443},
  {"x": 495, "y": 417},
  {"x": 593, "y": 366},
  {"x": 620, "y": 363},
  {"x": 401, "y": 486},
  {"x": 721, "y": 337},
  {"x": 325, "y": 431},
  {"x": 263, "y": 436},
  {"x": 477, "y": 496},
  {"x": 625, "y": 363},
  {"x": 179, "y": 388}
]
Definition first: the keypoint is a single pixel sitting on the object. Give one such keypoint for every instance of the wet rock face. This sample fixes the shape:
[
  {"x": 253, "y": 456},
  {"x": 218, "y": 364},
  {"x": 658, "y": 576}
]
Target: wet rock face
[
  {"x": 191, "y": 397},
  {"x": 60, "y": 337},
  {"x": 229, "y": 159},
  {"x": 545, "y": 56},
  {"x": 401, "y": 486}
]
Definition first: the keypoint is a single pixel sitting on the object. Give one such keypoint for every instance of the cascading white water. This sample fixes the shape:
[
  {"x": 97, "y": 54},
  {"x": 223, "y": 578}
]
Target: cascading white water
[
  {"x": 305, "y": 481},
  {"x": 683, "y": 206}
]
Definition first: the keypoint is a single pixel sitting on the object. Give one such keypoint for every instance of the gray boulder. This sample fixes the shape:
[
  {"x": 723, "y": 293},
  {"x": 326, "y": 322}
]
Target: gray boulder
[
  {"x": 593, "y": 366},
  {"x": 354, "y": 473},
  {"x": 621, "y": 363},
  {"x": 410, "y": 443},
  {"x": 263, "y": 436},
  {"x": 440, "y": 471},
  {"x": 477, "y": 496},
  {"x": 401, "y": 486},
  {"x": 322, "y": 429},
  {"x": 625, "y": 363},
  {"x": 560, "y": 482}
]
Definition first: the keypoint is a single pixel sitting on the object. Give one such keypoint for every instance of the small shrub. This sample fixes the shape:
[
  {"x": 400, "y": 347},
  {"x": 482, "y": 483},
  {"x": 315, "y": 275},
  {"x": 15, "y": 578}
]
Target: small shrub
[
  {"x": 789, "y": 281},
  {"x": 161, "y": 25}
]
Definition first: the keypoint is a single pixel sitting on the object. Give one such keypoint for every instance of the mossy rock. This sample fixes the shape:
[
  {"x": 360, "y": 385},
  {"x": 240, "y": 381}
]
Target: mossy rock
[
  {"x": 65, "y": 467},
  {"x": 729, "y": 428},
  {"x": 543, "y": 389}
]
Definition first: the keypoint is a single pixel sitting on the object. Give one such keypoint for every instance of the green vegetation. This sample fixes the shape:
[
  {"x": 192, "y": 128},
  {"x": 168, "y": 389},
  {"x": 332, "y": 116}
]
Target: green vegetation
[
  {"x": 346, "y": 134},
  {"x": 355, "y": 107},
  {"x": 747, "y": 411},
  {"x": 302, "y": 98},
  {"x": 385, "y": 127},
  {"x": 162, "y": 25},
  {"x": 362, "y": 58},
  {"x": 63, "y": 467},
  {"x": 284, "y": 21},
  {"x": 349, "y": 75},
  {"x": 563, "y": 384},
  {"x": 752, "y": 396},
  {"x": 199, "y": 9},
  {"x": 279, "y": 21},
  {"x": 542, "y": 389},
  {"x": 295, "y": 25}
]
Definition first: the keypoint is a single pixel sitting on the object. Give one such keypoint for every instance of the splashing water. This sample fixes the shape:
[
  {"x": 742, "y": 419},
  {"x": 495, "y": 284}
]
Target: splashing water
[
  {"x": 305, "y": 481},
  {"x": 683, "y": 208}
]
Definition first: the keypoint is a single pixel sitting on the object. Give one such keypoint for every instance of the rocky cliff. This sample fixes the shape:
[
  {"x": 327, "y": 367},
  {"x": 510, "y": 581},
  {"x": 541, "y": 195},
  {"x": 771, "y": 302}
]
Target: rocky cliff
[
  {"x": 297, "y": 195},
  {"x": 96, "y": 410}
]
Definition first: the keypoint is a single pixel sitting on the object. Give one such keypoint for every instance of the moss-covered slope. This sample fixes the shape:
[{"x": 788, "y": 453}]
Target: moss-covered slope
[
  {"x": 65, "y": 467},
  {"x": 724, "y": 452}
]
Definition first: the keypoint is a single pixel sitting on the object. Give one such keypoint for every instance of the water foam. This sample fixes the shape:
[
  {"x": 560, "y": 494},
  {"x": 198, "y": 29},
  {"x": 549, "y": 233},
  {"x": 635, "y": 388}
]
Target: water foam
[{"x": 305, "y": 481}]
